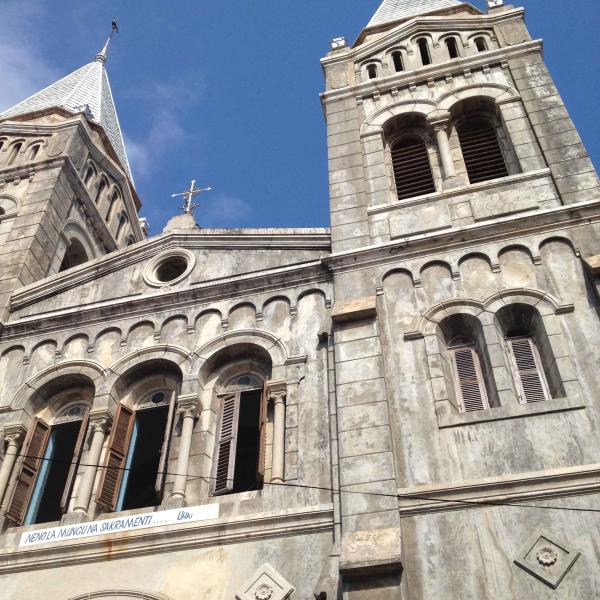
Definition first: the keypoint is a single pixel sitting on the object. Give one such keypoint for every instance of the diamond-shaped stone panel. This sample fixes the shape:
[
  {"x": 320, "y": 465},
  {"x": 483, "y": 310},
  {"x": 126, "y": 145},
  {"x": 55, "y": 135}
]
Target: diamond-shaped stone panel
[
  {"x": 547, "y": 560},
  {"x": 266, "y": 584}
]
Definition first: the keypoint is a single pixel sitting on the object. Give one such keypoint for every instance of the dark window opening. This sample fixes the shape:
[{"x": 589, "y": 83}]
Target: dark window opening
[
  {"x": 138, "y": 488},
  {"x": 372, "y": 71},
  {"x": 398, "y": 62},
  {"x": 2, "y": 211},
  {"x": 33, "y": 151},
  {"x": 412, "y": 171},
  {"x": 88, "y": 175},
  {"x": 480, "y": 44},
  {"x": 245, "y": 474},
  {"x": 424, "y": 50},
  {"x": 122, "y": 223},
  {"x": 100, "y": 192},
  {"x": 75, "y": 255},
  {"x": 13, "y": 153},
  {"x": 452, "y": 48},
  {"x": 171, "y": 269},
  {"x": 52, "y": 478},
  {"x": 481, "y": 151}
]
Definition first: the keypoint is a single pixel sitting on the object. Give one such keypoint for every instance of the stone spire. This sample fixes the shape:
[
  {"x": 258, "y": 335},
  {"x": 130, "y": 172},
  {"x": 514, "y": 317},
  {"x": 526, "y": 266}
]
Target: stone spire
[
  {"x": 395, "y": 10},
  {"x": 86, "y": 90}
]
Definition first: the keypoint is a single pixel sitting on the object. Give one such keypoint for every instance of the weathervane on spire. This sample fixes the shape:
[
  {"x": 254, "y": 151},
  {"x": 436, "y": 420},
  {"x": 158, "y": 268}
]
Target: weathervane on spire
[
  {"x": 103, "y": 54},
  {"x": 189, "y": 206}
]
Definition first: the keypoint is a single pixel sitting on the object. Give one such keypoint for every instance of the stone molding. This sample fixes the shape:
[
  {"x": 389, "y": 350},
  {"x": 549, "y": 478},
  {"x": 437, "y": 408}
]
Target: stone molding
[
  {"x": 239, "y": 529},
  {"x": 494, "y": 491},
  {"x": 354, "y": 310}
]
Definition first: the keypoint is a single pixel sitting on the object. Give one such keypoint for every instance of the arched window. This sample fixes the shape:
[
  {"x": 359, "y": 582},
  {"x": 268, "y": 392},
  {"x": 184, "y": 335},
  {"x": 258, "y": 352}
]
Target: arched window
[
  {"x": 480, "y": 44},
  {"x": 398, "y": 62},
  {"x": 452, "y": 47},
  {"x": 101, "y": 189},
  {"x": 33, "y": 152},
  {"x": 372, "y": 71},
  {"x": 412, "y": 170},
  {"x": 468, "y": 379},
  {"x": 52, "y": 453},
  {"x": 2, "y": 142},
  {"x": 123, "y": 220},
  {"x": 534, "y": 367},
  {"x": 113, "y": 203},
  {"x": 75, "y": 255},
  {"x": 130, "y": 240},
  {"x": 2, "y": 212},
  {"x": 239, "y": 452},
  {"x": 424, "y": 51},
  {"x": 138, "y": 449},
  {"x": 14, "y": 151},
  {"x": 480, "y": 149},
  {"x": 89, "y": 176}
]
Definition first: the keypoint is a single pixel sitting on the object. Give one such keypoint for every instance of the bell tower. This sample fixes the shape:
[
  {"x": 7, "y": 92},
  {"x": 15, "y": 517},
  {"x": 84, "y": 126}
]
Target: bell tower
[{"x": 66, "y": 190}]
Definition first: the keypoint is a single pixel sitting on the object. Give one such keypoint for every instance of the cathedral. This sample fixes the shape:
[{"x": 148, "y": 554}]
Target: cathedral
[{"x": 405, "y": 405}]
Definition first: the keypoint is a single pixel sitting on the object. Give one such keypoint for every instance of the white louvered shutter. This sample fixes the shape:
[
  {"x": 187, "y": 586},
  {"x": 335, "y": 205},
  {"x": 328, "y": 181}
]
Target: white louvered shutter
[
  {"x": 469, "y": 381},
  {"x": 531, "y": 378}
]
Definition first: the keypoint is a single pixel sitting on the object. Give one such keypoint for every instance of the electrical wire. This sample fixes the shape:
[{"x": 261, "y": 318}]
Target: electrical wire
[{"x": 471, "y": 503}]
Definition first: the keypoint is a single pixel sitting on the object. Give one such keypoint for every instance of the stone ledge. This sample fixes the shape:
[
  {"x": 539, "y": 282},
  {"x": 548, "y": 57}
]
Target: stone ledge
[
  {"x": 507, "y": 412},
  {"x": 593, "y": 264},
  {"x": 494, "y": 491},
  {"x": 376, "y": 550},
  {"x": 354, "y": 310}
]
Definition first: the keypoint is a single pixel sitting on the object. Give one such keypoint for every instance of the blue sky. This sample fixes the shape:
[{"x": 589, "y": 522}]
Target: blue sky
[{"x": 228, "y": 92}]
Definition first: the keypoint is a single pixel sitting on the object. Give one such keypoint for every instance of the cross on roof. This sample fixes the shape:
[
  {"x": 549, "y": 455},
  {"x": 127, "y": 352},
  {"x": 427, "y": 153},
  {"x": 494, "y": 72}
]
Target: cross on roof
[{"x": 188, "y": 206}]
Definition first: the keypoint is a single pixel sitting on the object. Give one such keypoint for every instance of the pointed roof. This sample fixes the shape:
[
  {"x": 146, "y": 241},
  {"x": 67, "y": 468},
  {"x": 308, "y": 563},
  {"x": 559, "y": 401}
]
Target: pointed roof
[
  {"x": 85, "y": 90},
  {"x": 394, "y": 10}
]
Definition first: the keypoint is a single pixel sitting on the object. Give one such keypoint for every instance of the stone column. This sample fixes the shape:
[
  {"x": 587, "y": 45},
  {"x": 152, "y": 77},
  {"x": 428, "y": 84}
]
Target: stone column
[
  {"x": 443, "y": 143},
  {"x": 189, "y": 409},
  {"x": 277, "y": 470},
  {"x": 14, "y": 436},
  {"x": 100, "y": 425}
]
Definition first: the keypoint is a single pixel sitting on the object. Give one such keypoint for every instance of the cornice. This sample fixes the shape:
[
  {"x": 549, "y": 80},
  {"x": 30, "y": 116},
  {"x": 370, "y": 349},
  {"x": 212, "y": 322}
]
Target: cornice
[
  {"x": 238, "y": 529},
  {"x": 198, "y": 294},
  {"x": 423, "y": 74},
  {"x": 519, "y": 225}
]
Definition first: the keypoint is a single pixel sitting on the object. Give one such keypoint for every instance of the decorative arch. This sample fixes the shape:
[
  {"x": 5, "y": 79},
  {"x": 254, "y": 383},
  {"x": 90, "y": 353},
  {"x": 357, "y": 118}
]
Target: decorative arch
[
  {"x": 521, "y": 247},
  {"x": 395, "y": 271},
  {"x": 559, "y": 238},
  {"x": 497, "y": 92},
  {"x": 480, "y": 255},
  {"x": 120, "y": 595},
  {"x": 9, "y": 205},
  {"x": 167, "y": 352},
  {"x": 312, "y": 291},
  {"x": 376, "y": 121},
  {"x": 280, "y": 297}
]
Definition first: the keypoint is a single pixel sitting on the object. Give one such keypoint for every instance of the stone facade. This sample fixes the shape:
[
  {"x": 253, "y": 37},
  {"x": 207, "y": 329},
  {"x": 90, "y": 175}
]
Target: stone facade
[{"x": 383, "y": 471}]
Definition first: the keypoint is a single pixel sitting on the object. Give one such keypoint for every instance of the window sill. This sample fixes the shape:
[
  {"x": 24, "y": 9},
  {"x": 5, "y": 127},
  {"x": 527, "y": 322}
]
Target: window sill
[{"x": 507, "y": 412}]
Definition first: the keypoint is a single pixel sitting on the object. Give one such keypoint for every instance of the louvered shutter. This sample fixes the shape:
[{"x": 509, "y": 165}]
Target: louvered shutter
[
  {"x": 532, "y": 380},
  {"x": 481, "y": 151},
  {"x": 260, "y": 469},
  {"x": 224, "y": 465},
  {"x": 112, "y": 473},
  {"x": 64, "y": 502},
  {"x": 412, "y": 171},
  {"x": 159, "y": 486},
  {"x": 32, "y": 455},
  {"x": 469, "y": 381}
]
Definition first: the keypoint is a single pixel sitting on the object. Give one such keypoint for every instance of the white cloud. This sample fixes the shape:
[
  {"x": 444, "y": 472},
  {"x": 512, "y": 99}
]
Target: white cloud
[{"x": 23, "y": 66}]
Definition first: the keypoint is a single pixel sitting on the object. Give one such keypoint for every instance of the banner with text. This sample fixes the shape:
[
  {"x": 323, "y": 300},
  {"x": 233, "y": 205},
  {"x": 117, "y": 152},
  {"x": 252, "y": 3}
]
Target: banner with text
[{"x": 160, "y": 518}]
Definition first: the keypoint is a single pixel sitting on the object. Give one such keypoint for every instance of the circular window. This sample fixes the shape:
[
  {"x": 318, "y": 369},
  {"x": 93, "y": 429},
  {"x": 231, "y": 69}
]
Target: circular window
[
  {"x": 169, "y": 267},
  {"x": 157, "y": 398}
]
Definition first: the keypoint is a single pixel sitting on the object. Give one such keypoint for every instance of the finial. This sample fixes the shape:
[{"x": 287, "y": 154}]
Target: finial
[
  {"x": 188, "y": 206},
  {"x": 102, "y": 56}
]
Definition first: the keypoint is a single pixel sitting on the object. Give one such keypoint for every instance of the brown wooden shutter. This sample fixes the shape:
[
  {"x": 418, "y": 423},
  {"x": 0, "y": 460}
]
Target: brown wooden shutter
[
  {"x": 531, "y": 376},
  {"x": 64, "y": 502},
  {"x": 224, "y": 465},
  {"x": 159, "y": 486},
  {"x": 469, "y": 380},
  {"x": 32, "y": 455},
  {"x": 112, "y": 473},
  {"x": 412, "y": 171},
  {"x": 262, "y": 442},
  {"x": 481, "y": 151}
]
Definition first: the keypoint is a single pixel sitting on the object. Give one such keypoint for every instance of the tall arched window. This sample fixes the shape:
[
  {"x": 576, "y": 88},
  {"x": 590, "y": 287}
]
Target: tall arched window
[
  {"x": 480, "y": 44},
  {"x": 2, "y": 212},
  {"x": 113, "y": 203},
  {"x": 90, "y": 175},
  {"x": 122, "y": 222},
  {"x": 101, "y": 189},
  {"x": 14, "y": 151},
  {"x": 412, "y": 170},
  {"x": 480, "y": 149},
  {"x": 398, "y": 62},
  {"x": 33, "y": 152},
  {"x": 372, "y": 71},
  {"x": 51, "y": 457},
  {"x": 424, "y": 51},
  {"x": 468, "y": 379},
  {"x": 2, "y": 142},
  {"x": 452, "y": 47},
  {"x": 75, "y": 255},
  {"x": 239, "y": 452}
]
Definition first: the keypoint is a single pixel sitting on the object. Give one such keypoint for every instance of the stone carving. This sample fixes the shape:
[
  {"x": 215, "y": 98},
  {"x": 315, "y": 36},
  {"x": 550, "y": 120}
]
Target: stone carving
[
  {"x": 265, "y": 584},
  {"x": 547, "y": 560}
]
